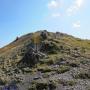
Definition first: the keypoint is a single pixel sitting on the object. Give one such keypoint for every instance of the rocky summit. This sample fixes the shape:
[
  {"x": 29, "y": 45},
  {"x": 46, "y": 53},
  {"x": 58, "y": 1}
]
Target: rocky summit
[{"x": 45, "y": 61}]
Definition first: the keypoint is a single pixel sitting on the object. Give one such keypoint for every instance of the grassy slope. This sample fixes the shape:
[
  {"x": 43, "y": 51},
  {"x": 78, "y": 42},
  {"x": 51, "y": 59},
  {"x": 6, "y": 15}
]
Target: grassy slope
[{"x": 46, "y": 65}]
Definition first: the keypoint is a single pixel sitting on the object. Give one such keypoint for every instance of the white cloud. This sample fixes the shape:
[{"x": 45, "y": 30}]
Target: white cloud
[
  {"x": 53, "y": 4},
  {"x": 79, "y": 3},
  {"x": 76, "y": 24},
  {"x": 75, "y": 7}
]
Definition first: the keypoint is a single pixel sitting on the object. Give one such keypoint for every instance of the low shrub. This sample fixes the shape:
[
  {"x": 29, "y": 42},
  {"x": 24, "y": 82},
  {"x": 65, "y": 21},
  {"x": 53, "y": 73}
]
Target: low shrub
[
  {"x": 83, "y": 75},
  {"x": 2, "y": 82},
  {"x": 32, "y": 87},
  {"x": 74, "y": 64},
  {"x": 52, "y": 85},
  {"x": 63, "y": 69},
  {"x": 41, "y": 86},
  {"x": 67, "y": 83}
]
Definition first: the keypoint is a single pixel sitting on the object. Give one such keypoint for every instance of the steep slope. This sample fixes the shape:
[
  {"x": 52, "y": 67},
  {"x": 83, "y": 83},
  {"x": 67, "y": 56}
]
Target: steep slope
[{"x": 61, "y": 62}]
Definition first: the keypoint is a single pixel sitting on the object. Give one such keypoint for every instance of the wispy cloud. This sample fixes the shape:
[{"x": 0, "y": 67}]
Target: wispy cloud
[
  {"x": 56, "y": 15},
  {"x": 77, "y": 4},
  {"x": 77, "y": 24},
  {"x": 54, "y": 7},
  {"x": 53, "y": 4}
]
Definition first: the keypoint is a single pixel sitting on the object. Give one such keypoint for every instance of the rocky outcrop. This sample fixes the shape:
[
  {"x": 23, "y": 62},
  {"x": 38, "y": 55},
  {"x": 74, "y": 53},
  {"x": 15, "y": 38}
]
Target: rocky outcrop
[
  {"x": 31, "y": 57},
  {"x": 44, "y": 34}
]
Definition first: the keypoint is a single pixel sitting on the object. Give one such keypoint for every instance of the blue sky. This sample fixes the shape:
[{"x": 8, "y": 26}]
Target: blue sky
[{"x": 18, "y": 17}]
